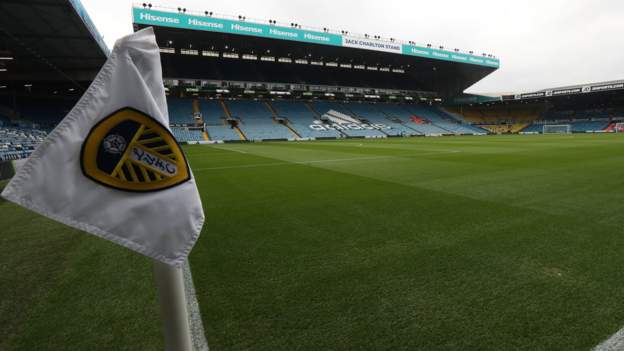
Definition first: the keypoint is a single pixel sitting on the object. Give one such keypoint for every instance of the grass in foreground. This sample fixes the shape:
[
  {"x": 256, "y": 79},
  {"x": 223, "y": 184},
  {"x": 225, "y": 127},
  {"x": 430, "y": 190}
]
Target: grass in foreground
[{"x": 484, "y": 243}]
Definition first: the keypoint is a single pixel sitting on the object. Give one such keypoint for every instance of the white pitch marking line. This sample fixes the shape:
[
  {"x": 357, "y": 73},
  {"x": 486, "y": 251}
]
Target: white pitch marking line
[
  {"x": 614, "y": 343},
  {"x": 273, "y": 164},
  {"x": 292, "y": 163},
  {"x": 198, "y": 334},
  {"x": 234, "y": 150},
  {"x": 346, "y": 159}
]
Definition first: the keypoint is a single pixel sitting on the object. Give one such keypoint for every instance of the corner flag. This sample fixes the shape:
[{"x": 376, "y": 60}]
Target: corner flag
[{"x": 112, "y": 168}]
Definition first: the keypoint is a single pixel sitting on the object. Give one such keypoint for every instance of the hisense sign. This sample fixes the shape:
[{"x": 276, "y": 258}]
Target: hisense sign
[{"x": 205, "y": 23}]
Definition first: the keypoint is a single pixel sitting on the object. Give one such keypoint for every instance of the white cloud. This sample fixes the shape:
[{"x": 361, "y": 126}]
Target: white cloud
[{"x": 541, "y": 43}]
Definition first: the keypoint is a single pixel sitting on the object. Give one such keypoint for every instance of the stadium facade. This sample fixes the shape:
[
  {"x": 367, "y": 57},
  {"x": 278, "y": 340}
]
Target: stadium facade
[{"x": 233, "y": 79}]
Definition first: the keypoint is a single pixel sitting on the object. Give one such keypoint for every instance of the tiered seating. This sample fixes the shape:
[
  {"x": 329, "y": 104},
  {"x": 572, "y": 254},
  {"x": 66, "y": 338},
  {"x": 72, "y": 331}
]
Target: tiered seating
[
  {"x": 185, "y": 135},
  {"x": 570, "y": 114},
  {"x": 370, "y": 113},
  {"x": 504, "y": 128},
  {"x": 493, "y": 115},
  {"x": 180, "y": 110},
  {"x": 212, "y": 112},
  {"x": 533, "y": 128},
  {"x": 323, "y": 107},
  {"x": 396, "y": 111},
  {"x": 611, "y": 127},
  {"x": 300, "y": 118},
  {"x": 215, "y": 120},
  {"x": 576, "y": 126},
  {"x": 16, "y": 143},
  {"x": 437, "y": 117},
  {"x": 479, "y": 130},
  {"x": 223, "y": 132},
  {"x": 456, "y": 119},
  {"x": 257, "y": 121},
  {"x": 589, "y": 126}
]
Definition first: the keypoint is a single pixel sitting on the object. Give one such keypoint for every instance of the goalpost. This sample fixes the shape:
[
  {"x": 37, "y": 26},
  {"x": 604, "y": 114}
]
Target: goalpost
[
  {"x": 557, "y": 129},
  {"x": 619, "y": 127}
]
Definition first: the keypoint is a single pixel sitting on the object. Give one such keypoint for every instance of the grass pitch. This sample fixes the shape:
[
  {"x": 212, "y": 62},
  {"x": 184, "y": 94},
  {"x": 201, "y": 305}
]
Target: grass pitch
[{"x": 466, "y": 243}]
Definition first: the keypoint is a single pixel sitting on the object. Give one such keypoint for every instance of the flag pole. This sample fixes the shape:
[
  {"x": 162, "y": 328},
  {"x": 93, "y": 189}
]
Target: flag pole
[{"x": 170, "y": 283}]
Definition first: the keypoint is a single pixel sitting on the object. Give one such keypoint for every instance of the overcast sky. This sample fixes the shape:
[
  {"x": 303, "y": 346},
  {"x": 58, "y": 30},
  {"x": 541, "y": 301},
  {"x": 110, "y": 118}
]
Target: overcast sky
[{"x": 541, "y": 43}]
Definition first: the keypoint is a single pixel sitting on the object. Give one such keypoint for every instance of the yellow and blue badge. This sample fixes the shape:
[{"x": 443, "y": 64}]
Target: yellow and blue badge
[{"x": 131, "y": 151}]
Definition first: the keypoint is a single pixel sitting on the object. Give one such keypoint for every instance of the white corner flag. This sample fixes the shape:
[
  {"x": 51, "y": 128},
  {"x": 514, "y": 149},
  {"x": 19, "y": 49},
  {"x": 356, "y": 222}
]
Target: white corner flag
[{"x": 112, "y": 167}]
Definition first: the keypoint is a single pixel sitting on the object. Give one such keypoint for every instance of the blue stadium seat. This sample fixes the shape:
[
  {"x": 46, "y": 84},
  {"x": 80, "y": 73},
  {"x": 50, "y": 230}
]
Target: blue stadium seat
[
  {"x": 256, "y": 121},
  {"x": 212, "y": 112},
  {"x": 180, "y": 110},
  {"x": 222, "y": 132},
  {"x": 323, "y": 107},
  {"x": 402, "y": 113},
  {"x": 587, "y": 126},
  {"x": 186, "y": 135},
  {"x": 440, "y": 119},
  {"x": 16, "y": 143},
  {"x": 370, "y": 113},
  {"x": 300, "y": 118},
  {"x": 576, "y": 126}
]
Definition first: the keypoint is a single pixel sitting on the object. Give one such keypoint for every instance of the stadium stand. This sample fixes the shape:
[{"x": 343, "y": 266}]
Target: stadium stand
[
  {"x": 577, "y": 114},
  {"x": 402, "y": 113},
  {"x": 180, "y": 110},
  {"x": 288, "y": 119},
  {"x": 497, "y": 114},
  {"x": 436, "y": 117},
  {"x": 256, "y": 120},
  {"x": 589, "y": 126},
  {"x": 576, "y": 126},
  {"x": 223, "y": 133},
  {"x": 612, "y": 127},
  {"x": 533, "y": 128},
  {"x": 371, "y": 114},
  {"x": 299, "y": 117},
  {"x": 212, "y": 112},
  {"x": 323, "y": 107},
  {"x": 458, "y": 123},
  {"x": 186, "y": 135},
  {"x": 530, "y": 117},
  {"x": 17, "y": 143},
  {"x": 504, "y": 128},
  {"x": 215, "y": 121}
]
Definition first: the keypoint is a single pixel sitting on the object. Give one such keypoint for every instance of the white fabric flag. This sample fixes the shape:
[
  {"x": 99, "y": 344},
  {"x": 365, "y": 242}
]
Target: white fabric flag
[{"x": 112, "y": 167}]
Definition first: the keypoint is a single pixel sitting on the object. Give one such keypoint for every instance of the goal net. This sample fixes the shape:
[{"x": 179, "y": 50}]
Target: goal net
[
  {"x": 557, "y": 129},
  {"x": 619, "y": 127}
]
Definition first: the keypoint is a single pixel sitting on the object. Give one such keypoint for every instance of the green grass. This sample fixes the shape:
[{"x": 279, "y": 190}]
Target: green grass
[{"x": 464, "y": 243}]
